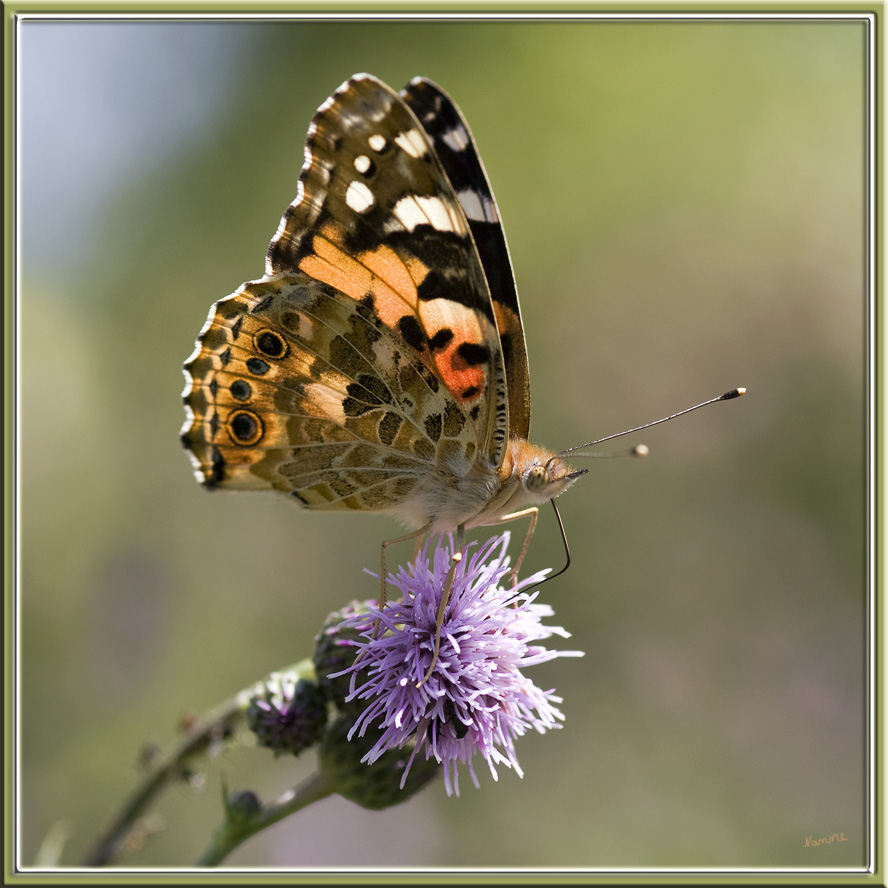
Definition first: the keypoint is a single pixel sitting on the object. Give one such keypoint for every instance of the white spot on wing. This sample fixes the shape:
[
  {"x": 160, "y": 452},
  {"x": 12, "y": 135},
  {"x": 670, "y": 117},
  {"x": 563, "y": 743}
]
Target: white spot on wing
[
  {"x": 456, "y": 138},
  {"x": 412, "y": 142},
  {"x": 408, "y": 212},
  {"x": 419, "y": 210},
  {"x": 362, "y": 163},
  {"x": 392, "y": 224},
  {"x": 377, "y": 142},
  {"x": 477, "y": 207},
  {"x": 359, "y": 197}
]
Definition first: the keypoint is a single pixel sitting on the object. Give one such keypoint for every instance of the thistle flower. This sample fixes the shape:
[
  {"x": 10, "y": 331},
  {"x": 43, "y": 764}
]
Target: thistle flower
[{"x": 476, "y": 700}]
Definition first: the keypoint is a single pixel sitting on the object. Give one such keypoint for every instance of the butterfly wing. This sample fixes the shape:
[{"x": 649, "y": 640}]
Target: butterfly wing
[
  {"x": 455, "y": 147},
  {"x": 368, "y": 356},
  {"x": 376, "y": 217}
]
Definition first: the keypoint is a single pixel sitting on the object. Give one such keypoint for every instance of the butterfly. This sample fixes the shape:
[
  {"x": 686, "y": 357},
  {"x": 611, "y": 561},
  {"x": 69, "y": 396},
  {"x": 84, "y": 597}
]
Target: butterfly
[{"x": 379, "y": 365}]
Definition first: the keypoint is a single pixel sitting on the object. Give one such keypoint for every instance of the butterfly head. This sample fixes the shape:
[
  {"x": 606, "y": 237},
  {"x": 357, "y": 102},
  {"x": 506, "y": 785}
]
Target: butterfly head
[
  {"x": 549, "y": 479},
  {"x": 541, "y": 474}
]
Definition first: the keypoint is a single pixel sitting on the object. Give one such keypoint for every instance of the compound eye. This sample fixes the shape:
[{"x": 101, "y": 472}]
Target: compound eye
[{"x": 536, "y": 478}]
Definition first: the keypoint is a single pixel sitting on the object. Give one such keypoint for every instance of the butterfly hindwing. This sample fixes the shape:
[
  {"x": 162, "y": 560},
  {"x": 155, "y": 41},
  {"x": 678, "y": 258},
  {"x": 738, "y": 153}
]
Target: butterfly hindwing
[
  {"x": 297, "y": 387},
  {"x": 376, "y": 218},
  {"x": 456, "y": 150}
]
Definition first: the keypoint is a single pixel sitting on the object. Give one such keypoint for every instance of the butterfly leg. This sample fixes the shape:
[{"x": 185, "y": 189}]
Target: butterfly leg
[
  {"x": 533, "y": 513},
  {"x": 445, "y": 595},
  {"x": 416, "y": 534}
]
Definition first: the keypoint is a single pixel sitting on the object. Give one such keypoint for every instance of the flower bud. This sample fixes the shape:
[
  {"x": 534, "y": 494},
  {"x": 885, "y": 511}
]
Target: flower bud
[
  {"x": 287, "y": 715},
  {"x": 242, "y": 807},
  {"x": 336, "y": 647},
  {"x": 373, "y": 786}
]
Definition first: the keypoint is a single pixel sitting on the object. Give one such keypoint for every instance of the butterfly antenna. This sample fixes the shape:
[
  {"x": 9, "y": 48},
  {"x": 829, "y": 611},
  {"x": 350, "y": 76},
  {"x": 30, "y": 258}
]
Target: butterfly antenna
[{"x": 641, "y": 450}]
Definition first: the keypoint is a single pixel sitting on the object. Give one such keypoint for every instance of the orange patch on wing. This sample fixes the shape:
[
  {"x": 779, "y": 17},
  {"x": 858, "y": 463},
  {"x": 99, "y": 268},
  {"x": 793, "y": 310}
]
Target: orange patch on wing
[
  {"x": 466, "y": 382},
  {"x": 466, "y": 326},
  {"x": 388, "y": 266},
  {"x": 506, "y": 319},
  {"x": 388, "y": 304},
  {"x": 358, "y": 278},
  {"x": 418, "y": 269},
  {"x": 330, "y": 265}
]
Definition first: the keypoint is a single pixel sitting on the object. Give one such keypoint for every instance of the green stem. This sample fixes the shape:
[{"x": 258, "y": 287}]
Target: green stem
[
  {"x": 228, "y": 835},
  {"x": 215, "y": 727}
]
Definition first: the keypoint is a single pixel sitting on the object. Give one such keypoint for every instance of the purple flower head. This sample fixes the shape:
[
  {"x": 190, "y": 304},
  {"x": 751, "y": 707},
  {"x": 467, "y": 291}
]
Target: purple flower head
[{"x": 476, "y": 700}]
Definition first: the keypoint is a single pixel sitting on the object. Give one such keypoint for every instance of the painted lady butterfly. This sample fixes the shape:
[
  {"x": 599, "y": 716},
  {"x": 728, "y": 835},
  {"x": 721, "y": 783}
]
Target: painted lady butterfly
[{"x": 379, "y": 365}]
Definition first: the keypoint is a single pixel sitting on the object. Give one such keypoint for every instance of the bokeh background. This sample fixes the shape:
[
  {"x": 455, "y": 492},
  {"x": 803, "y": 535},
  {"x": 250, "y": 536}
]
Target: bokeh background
[{"x": 685, "y": 207}]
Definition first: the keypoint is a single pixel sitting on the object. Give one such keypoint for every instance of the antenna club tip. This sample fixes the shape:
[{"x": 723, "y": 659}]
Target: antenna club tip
[
  {"x": 640, "y": 450},
  {"x": 733, "y": 393}
]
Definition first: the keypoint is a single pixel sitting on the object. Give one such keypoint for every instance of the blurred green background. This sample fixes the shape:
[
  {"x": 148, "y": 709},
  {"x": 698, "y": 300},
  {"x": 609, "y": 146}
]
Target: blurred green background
[{"x": 684, "y": 203}]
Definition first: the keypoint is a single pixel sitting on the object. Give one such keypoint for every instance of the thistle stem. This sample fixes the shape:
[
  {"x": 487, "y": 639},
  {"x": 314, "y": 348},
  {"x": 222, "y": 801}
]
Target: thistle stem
[
  {"x": 213, "y": 728},
  {"x": 233, "y": 831}
]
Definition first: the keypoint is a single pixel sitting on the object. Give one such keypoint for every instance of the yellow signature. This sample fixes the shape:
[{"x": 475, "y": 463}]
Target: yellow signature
[{"x": 811, "y": 842}]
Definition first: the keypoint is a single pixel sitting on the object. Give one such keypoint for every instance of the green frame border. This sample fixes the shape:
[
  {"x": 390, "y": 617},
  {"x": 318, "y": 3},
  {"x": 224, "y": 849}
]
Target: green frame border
[{"x": 873, "y": 15}]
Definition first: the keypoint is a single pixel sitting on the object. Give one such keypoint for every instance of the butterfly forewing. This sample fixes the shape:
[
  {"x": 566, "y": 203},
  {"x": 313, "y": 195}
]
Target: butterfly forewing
[{"x": 376, "y": 218}]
